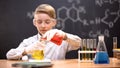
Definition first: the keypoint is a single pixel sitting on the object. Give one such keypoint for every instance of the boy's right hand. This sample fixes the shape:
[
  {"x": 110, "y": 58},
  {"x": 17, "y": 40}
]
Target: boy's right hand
[{"x": 14, "y": 54}]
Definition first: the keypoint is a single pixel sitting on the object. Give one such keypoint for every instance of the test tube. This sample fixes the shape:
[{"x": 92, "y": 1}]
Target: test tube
[
  {"x": 84, "y": 49},
  {"x": 87, "y": 52},
  {"x": 114, "y": 46},
  {"x": 94, "y": 47},
  {"x": 88, "y": 48},
  {"x": 94, "y": 44},
  {"x": 91, "y": 49},
  {"x": 114, "y": 42},
  {"x": 80, "y": 56}
]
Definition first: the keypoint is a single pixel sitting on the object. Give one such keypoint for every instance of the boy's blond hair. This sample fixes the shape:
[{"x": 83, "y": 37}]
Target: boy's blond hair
[{"x": 46, "y": 8}]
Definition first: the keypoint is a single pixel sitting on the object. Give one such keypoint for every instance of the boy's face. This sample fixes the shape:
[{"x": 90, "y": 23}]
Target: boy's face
[{"x": 43, "y": 22}]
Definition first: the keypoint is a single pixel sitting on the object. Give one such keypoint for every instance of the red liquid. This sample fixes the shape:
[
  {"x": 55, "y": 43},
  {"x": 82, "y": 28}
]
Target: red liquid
[{"x": 56, "y": 39}]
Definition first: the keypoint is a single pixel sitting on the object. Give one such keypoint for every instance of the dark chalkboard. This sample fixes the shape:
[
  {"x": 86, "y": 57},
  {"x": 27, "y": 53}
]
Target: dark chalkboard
[{"x": 85, "y": 18}]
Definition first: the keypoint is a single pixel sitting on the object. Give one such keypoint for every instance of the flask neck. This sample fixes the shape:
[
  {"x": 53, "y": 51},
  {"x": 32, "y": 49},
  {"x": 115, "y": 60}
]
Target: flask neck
[
  {"x": 101, "y": 38},
  {"x": 101, "y": 46}
]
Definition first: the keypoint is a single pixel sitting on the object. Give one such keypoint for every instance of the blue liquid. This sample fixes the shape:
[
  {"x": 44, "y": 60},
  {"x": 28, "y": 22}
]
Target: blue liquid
[{"x": 101, "y": 58}]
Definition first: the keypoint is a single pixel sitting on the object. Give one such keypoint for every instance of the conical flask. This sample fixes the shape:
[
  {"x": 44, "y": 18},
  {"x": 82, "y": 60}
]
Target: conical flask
[{"x": 101, "y": 56}]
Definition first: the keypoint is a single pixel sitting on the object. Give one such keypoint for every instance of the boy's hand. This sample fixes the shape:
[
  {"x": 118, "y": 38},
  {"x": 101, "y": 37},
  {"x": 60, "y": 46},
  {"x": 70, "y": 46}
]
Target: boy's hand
[{"x": 37, "y": 46}]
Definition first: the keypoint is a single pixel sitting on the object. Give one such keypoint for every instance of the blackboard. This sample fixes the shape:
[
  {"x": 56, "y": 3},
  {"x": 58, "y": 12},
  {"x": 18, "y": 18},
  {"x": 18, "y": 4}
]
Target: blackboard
[{"x": 85, "y": 18}]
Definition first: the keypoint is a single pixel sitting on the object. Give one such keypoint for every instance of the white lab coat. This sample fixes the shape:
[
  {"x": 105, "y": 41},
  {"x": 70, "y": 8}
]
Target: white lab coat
[{"x": 52, "y": 51}]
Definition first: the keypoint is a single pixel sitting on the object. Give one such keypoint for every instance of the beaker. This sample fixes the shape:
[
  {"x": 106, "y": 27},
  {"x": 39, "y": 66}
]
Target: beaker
[{"x": 38, "y": 53}]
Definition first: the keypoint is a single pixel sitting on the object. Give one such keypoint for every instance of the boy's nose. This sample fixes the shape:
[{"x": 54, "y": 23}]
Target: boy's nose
[{"x": 43, "y": 24}]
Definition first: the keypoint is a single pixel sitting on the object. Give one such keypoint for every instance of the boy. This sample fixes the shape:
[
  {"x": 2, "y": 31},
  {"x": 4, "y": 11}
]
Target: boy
[{"x": 44, "y": 20}]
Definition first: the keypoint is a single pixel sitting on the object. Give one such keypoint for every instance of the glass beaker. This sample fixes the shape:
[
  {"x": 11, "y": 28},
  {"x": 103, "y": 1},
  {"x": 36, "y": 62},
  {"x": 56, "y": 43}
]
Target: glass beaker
[
  {"x": 101, "y": 56},
  {"x": 38, "y": 54}
]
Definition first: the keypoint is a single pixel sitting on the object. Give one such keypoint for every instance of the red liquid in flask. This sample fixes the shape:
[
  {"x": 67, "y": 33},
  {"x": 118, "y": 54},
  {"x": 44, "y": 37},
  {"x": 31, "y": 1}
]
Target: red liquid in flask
[{"x": 56, "y": 39}]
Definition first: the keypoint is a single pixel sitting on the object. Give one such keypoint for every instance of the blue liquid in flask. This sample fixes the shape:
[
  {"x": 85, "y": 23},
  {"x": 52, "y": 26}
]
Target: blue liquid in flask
[{"x": 101, "y": 58}]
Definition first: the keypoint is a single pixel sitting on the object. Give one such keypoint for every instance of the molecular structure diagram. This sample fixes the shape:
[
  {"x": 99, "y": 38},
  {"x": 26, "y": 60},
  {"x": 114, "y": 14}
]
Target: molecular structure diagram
[{"x": 73, "y": 13}]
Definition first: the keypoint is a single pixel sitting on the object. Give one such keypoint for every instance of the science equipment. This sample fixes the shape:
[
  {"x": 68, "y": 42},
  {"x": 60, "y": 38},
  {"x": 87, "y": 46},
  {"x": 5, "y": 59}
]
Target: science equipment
[
  {"x": 56, "y": 39},
  {"x": 101, "y": 56},
  {"x": 114, "y": 47},
  {"x": 87, "y": 51}
]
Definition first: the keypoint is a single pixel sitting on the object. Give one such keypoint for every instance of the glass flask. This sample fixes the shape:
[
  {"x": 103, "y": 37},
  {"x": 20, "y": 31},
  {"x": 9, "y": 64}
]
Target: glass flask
[
  {"x": 56, "y": 39},
  {"x": 101, "y": 56}
]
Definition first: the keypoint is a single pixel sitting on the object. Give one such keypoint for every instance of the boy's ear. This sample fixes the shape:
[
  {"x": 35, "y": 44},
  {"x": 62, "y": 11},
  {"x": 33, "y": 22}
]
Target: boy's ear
[
  {"x": 54, "y": 24},
  {"x": 34, "y": 22}
]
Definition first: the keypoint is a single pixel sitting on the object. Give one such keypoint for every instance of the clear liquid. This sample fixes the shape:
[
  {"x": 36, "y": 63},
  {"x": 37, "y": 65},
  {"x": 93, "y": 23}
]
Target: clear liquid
[{"x": 101, "y": 58}]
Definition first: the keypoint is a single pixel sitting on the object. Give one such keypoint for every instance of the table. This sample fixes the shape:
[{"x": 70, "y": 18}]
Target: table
[{"x": 68, "y": 63}]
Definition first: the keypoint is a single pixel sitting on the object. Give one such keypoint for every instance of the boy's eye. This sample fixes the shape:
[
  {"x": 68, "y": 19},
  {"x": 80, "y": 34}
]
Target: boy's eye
[
  {"x": 47, "y": 22},
  {"x": 39, "y": 22}
]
